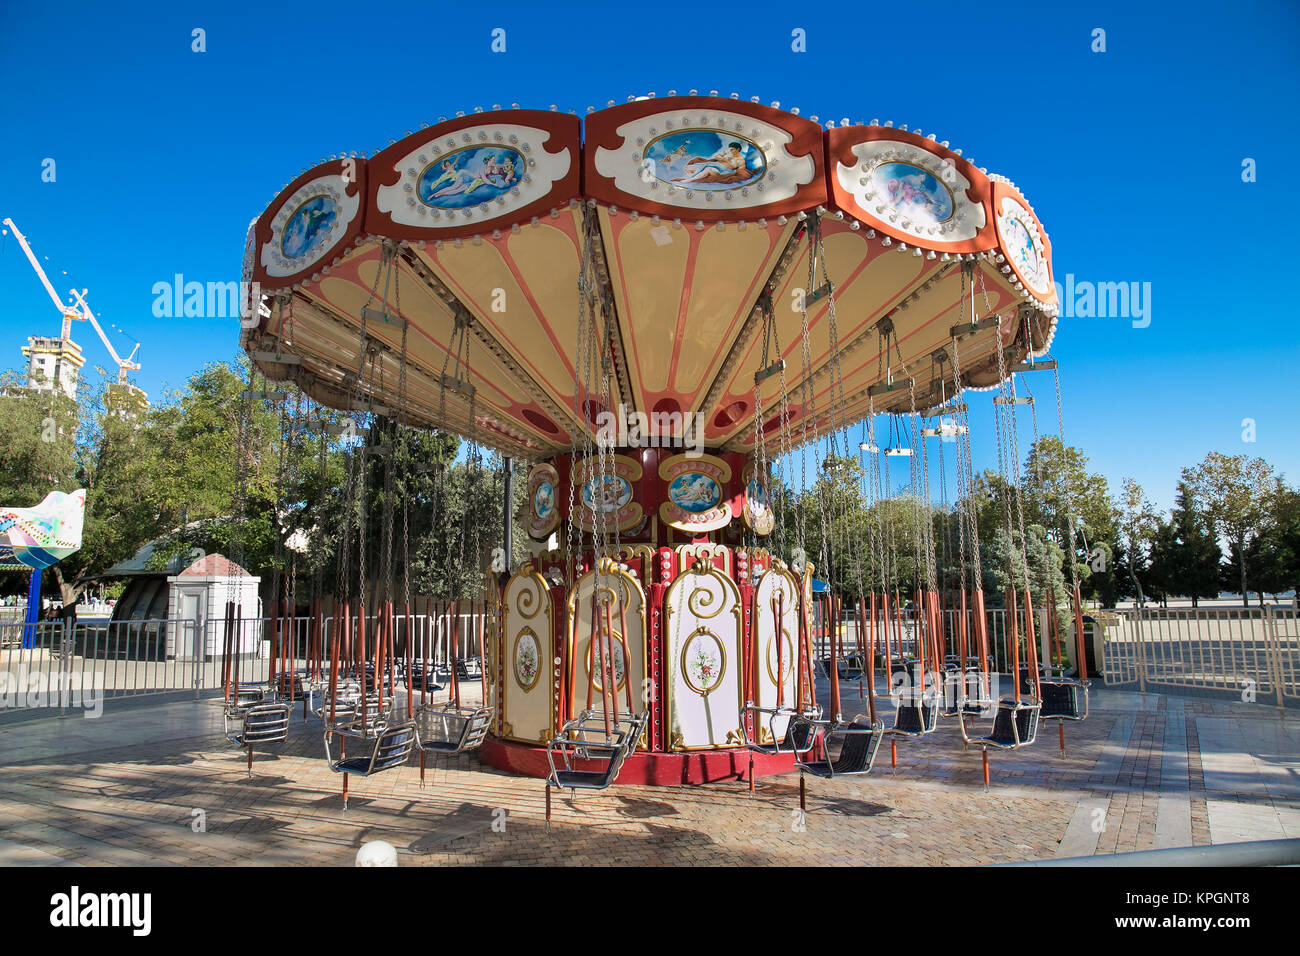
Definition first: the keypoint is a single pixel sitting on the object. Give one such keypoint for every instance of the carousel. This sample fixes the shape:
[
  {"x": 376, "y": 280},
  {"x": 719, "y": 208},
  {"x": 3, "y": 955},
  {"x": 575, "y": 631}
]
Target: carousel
[{"x": 652, "y": 310}]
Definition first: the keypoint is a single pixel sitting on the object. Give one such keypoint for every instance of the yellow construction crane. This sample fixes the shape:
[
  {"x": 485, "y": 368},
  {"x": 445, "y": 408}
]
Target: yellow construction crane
[{"x": 79, "y": 313}]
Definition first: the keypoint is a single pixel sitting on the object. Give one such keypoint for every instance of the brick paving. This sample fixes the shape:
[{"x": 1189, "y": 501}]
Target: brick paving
[{"x": 158, "y": 784}]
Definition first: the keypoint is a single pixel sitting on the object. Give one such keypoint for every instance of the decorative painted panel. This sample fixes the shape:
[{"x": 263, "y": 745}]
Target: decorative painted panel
[
  {"x": 771, "y": 667},
  {"x": 702, "y": 625},
  {"x": 528, "y": 679},
  {"x": 628, "y": 610},
  {"x": 310, "y": 225}
]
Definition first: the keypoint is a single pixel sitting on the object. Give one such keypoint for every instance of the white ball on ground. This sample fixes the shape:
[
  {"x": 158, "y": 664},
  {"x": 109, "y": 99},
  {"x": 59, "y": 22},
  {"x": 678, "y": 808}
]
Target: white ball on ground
[{"x": 377, "y": 853}]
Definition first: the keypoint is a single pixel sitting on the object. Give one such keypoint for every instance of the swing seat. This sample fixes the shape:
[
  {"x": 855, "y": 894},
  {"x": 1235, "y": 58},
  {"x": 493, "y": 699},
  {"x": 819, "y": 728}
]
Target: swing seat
[
  {"x": 286, "y": 687},
  {"x": 387, "y": 749},
  {"x": 469, "y": 668},
  {"x": 590, "y": 724},
  {"x": 1064, "y": 698},
  {"x": 262, "y": 723},
  {"x": 603, "y": 757},
  {"x": 798, "y": 738},
  {"x": 857, "y": 743},
  {"x": 348, "y": 709},
  {"x": 971, "y": 700},
  {"x": 917, "y": 714},
  {"x": 1015, "y": 724},
  {"x": 853, "y": 667},
  {"x": 247, "y": 696},
  {"x": 449, "y": 730},
  {"x": 424, "y": 678}
]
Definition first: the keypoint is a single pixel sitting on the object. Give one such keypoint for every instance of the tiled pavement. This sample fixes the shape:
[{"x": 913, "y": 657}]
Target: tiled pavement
[{"x": 157, "y": 784}]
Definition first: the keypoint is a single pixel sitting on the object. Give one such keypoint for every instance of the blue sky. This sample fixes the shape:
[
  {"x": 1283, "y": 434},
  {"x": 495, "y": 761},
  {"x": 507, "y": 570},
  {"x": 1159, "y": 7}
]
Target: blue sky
[{"x": 1132, "y": 158}]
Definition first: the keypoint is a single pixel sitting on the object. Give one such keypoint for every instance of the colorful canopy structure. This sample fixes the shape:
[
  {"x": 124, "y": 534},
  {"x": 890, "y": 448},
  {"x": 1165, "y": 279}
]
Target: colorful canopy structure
[
  {"x": 36, "y": 538},
  {"x": 563, "y": 291},
  {"x": 692, "y": 213}
]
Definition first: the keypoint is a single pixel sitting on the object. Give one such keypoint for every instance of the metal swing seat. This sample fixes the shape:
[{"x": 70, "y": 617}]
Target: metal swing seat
[
  {"x": 966, "y": 690},
  {"x": 799, "y": 736},
  {"x": 348, "y": 706},
  {"x": 855, "y": 743},
  {"x": 384, "y": 747},
  {"x": 423, "y": 675},
  {"x": 262, "y": 722},
  {"x": 1064, "y": 698},
  {"x": 916, "y": 709},
  {"x": 584, "y": 740},
  {"x": 447, "y": 730},
  {"x": 1015, "y": 725},
  {"x": 854, "y": 666},
  {"x": 469, "y": 668},
  {"x": 346, "y": 694},
  {"x": 246, "y": 696}
]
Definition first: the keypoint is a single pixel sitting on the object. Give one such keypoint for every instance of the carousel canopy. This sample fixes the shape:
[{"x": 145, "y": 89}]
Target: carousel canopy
[{"x": 468, "y": 237}]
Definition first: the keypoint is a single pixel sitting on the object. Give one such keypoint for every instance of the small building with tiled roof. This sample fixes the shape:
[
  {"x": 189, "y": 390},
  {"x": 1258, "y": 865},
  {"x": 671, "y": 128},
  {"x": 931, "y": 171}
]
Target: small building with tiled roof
[{"x": 202, "y": 598}]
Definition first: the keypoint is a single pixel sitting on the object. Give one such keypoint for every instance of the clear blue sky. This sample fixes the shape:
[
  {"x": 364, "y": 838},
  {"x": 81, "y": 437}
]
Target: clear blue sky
[{"x": 1132, "y": 159}]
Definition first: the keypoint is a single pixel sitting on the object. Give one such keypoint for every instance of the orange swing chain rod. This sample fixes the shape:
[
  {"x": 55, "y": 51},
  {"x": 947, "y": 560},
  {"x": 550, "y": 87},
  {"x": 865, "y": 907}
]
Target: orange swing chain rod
[
  {"x": 1013, "y": 621},
  {"x": 870, "y": 662},
  {"x": 454, "y": 651},
  {"x": 408, "y": 642},
  {"x": 832, "y": 623},
  {"x": 1082, "y": 664},
  {"x": 226, "y": 635},
  {"x": 607, "y": 664},
  {"x": 778, "y": 609},
  {"x": 627, "y": 659},
  {"x": 1032, "y": 640},
  {"x": 591, "y": 651},
  {"x": 889, "y": 643}
]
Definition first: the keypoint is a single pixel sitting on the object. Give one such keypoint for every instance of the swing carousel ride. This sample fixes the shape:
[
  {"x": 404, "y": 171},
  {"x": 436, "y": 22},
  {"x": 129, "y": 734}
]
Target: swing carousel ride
[{"x": 659, "y": 310}]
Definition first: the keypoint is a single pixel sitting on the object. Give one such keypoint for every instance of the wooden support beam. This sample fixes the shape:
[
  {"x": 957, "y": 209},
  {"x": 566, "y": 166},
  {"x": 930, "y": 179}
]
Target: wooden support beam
[
  {"x": 884, "y": 388},
  {"x": 275, "y": 358},
  {"x": 970, "y": 328}
]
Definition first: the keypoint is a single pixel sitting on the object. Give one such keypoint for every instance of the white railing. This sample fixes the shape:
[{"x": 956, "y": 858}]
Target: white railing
[
  {"x": 51, "y": 664},
  {"x": 1250, "y": 652}
]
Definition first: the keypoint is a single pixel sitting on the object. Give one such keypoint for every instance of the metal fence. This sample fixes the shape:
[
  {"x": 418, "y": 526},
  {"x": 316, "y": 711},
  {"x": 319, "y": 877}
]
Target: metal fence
[
  {"x": 52, "y": 664},
  {"x": 903, "y": 635},
  {"x": 1250, "y": 652},
  {"x": 1253, "y": 652}
]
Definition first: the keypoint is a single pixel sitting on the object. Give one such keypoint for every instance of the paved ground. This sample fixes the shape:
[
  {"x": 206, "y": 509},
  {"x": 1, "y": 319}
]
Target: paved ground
[{"x": 157, "y": 783}]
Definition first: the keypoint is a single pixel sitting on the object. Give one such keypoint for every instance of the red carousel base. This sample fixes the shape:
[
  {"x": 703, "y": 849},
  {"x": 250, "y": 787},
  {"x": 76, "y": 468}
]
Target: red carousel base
[{"x": 653, "y": 769}]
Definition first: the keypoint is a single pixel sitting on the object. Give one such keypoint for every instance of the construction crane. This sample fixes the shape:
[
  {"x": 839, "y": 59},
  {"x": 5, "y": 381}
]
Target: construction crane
[
  {"x": 68, "y": 312},
  {"x": 124, "y": 365},
  {"x": 73, "y": 313}
]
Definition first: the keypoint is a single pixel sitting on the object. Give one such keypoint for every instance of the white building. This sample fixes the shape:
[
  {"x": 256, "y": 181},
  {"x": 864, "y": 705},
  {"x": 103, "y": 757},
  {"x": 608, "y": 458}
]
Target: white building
[
  {"x": 53, "y": 363},
  {"x": 198, "y": 603}
]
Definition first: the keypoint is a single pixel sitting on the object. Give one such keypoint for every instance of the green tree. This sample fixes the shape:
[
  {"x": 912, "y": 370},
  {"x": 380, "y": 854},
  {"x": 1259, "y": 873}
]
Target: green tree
[
  {"x": 1194, "y": 557},
  {"x": 835, "y": 522},
  {"x": 1138, "y": 523},
  {"x": 1236, "y": 493},
  {"x": 1056, "y": 479},
  {"x": 50, "y": 442},
  {"x": 1273, "y": 555},
  {"x": 1162, "y": 576}
]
